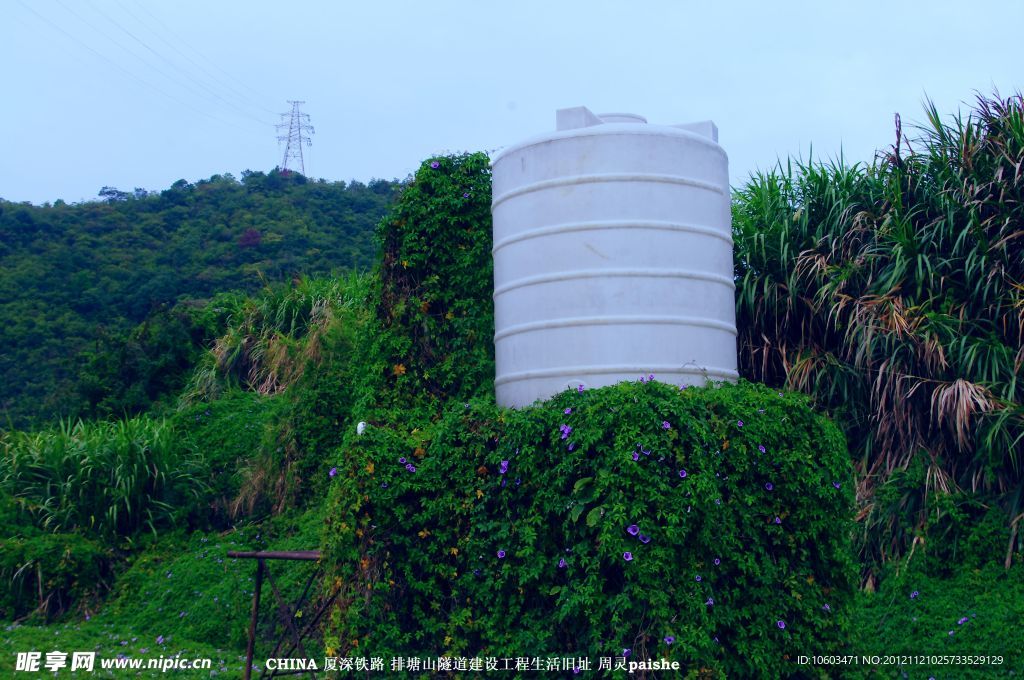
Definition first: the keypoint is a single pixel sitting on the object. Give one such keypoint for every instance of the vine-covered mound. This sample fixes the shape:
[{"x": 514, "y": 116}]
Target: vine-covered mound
[
  {"x": 433, "y": 337},
  {"x": 709, "y": 526}
]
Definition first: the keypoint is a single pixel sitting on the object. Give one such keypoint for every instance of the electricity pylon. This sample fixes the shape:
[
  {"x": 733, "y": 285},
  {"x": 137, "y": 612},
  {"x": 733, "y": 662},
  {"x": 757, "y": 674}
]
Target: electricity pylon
[{"x": 297, "y": 124}]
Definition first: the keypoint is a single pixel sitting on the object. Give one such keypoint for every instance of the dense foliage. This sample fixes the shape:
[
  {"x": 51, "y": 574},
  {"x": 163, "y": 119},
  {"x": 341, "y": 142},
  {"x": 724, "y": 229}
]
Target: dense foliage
[
  {"x": 81, "y": 277},
  {"x": 231, "y": 433},
  {"x": 111, "y": 479},
  {"x": 48, "y": 573},
  {"x": 74, "y": 497},
  {"x": 276, "y": 386},
  {"x": 973, "y": 611},
  {"x": 434, "y": 283},
  {"x": 894, "y": 295},
  {"x": 710, "y": 526}
]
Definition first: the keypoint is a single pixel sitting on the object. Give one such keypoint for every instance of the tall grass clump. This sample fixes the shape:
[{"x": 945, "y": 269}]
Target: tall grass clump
[
  {"x": 271, "y": 338},
  {"x": 284, "y": 360},
  {"x": 109, "y": 479},
  {"x": 894, "y": 295}
]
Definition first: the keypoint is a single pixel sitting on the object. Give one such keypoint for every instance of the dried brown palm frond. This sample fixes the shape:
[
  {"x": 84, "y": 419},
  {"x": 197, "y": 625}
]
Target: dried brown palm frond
[
  {"x": 894, "y": 295},
  {"x": 954, "y": 404},
  {"x": 274, "y": 338}
]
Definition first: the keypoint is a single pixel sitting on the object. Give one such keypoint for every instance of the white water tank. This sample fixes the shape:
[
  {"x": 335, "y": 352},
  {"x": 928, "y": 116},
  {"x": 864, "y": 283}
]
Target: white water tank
[{"x": 612, "y": 257}]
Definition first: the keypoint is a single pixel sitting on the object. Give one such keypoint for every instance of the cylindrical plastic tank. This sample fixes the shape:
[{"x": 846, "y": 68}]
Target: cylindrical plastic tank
[{"x": 612, "y": 257}]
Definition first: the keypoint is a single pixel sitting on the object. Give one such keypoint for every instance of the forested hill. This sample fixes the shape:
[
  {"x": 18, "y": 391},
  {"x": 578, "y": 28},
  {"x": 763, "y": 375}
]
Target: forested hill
[{"x": 77, "y": 277}]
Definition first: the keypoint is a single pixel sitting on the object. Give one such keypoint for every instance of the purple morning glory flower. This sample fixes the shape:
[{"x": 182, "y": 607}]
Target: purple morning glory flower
[
  {"x": 435, "y": 165},
  {"x": 665, "y": 425},
  {"x": 333, "y": 472},
  {"x": 628, "y": 556},
  {"x": 826, "y": 607},
  {"x": 644, "y": 538},
  {"x": 410, "y": 467},
  {"x": 501, "y": 554},
  {"x": 698, "y": 578},
  {"x": 717, "y": 561},
  {"x": 566, "y": 431},
  {"x": 781, "y": 624},
  {"x": 669, "y": 639},
  {"x": 519, "y": 481},
  {"x": 633, "y": 530},
  {"x": 636, "y": 456},
  {"x": 562, "y": 564},
  {"x": 580, "y": 389},
  {"x": 760, "y": 447},
  {"x": 160, "y": 639},
  {"x": 650, "y": 377},
  {"x": 950, "y": 632},
  {"x": 402, "y": 460},
  {"x": 503, "y": 468},
  {"x": 739, "y": 423},
  {"x": 572, "y": 445},
  {"x": 962, "y": 621},
  {"x": 768, "y": 486},
  {"x": 913, "y": 595},
  {"x": 710, "y": 602},
  {"x": 384, "y": 485},
  {"x": 465, "y": 195},
  {"x": 626, "y": 652},
  {"x": 682, "y": 473},
  {"x": 836, "y": 484},
  {"x": 643, "y": 379},
  {"x": 778, "y": 521},
  {"x": 567, "y": 411}
]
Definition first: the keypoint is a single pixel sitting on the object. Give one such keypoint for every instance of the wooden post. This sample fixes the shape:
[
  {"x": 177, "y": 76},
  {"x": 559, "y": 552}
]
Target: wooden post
[{"x": 250, "y": 648}]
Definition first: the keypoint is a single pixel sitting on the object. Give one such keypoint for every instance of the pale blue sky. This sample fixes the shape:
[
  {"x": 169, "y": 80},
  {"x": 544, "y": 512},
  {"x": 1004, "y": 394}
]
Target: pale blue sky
[{"x": 139, "y": 93}]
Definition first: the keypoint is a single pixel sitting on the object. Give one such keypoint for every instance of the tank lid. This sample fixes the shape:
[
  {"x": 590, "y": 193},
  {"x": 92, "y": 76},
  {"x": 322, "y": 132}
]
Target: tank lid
[
  {"x": 579, "y": 121},
  {"x": 576, "y": 117},
  {"x": 581, "y": 117},
  {"x": 621, "y": 118}
]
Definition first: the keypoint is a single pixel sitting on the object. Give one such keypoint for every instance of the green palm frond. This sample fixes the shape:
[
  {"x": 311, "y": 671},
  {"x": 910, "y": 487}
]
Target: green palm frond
[{"x": 894, "y": 294}]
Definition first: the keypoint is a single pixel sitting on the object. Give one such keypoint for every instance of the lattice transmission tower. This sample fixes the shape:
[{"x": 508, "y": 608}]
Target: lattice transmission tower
[{"x": 297, "y": 124}]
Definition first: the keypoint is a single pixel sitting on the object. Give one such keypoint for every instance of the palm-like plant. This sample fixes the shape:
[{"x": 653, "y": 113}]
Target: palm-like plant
[
  {"x": 894, "y": 293},
  {"x": 110, "y": 478}
]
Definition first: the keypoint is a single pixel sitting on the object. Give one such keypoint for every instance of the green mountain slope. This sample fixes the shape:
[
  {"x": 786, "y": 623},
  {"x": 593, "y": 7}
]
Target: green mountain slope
[{"x": 82, "y": 276}]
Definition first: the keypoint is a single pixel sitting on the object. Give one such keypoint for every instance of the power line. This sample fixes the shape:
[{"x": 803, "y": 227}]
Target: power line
[
  {"x": 170, "y": 63},
  {"x": 222, "y": 83},
  {"x": 174, "y": 80},
  {"x": 199, "y": 54},
  {"x": 144, "y": 83},
  {"x": 297, "y": 124}
]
